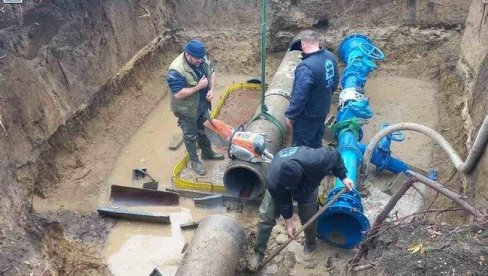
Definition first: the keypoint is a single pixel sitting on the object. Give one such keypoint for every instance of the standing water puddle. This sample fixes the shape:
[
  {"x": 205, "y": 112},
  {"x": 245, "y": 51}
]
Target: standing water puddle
[{"x": 136, "y": 248}]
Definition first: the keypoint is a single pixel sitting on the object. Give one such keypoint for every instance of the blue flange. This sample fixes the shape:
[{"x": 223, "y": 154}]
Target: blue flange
[{"x": 343, "y": 224}]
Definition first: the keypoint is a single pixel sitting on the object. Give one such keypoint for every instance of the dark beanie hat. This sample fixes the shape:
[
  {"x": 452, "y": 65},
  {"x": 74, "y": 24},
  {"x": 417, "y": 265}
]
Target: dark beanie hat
[
  {"x": 195, "y": 48},
  {"x": 291, "y": 174}
]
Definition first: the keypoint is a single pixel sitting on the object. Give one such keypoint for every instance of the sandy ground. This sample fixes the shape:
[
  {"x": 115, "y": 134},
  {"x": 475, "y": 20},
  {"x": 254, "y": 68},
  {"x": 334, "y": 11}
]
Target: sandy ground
[{"x": 136, "y": 248}]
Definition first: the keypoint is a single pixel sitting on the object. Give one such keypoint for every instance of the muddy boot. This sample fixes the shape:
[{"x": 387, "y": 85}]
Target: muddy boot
[
  {"x": 198, "y": 167},
  {"x": 255, "y": 262},
  {"x": 195, "y": 163},
  {"x": 207, "y": 152},
  {"x": 306, "y": 212},
  {"x": 260, "y": 244}
]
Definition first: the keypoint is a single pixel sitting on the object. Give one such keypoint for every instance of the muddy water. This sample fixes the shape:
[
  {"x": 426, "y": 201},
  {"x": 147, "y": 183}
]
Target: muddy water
[
  {"x": 137, "y": 248},
  {"x": 397, "y": 100}
]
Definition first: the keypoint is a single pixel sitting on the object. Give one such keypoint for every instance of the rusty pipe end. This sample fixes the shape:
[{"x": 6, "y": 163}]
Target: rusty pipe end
[{"x": 245, "y": 180}]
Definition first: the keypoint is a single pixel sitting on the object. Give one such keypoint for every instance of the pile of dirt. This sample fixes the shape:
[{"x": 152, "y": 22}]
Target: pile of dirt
[
  {"x": 239, "y": 107},
  {"x": 422, "y": 248},
  {"x": 61, "y": 243},
  {"x": 361, "y": 16}
]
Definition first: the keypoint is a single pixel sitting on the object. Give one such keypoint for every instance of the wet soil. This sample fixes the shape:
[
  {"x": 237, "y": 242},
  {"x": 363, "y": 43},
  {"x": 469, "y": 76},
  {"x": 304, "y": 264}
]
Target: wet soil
[
  {"x": 137, "y": 248},
  {"x": 443, "y": 249},
  {"x": 127, "y": 246},
  {"x": 240, "y": 107}
]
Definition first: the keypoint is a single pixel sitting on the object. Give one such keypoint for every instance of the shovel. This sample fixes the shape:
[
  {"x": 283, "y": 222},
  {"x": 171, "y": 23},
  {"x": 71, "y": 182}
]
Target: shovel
[{"x": 307, "y": 224}]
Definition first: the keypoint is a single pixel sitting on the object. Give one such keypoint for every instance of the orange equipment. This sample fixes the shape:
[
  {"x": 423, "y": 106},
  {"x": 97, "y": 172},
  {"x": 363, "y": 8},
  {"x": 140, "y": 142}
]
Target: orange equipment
[{"x": 242, "y": 145}]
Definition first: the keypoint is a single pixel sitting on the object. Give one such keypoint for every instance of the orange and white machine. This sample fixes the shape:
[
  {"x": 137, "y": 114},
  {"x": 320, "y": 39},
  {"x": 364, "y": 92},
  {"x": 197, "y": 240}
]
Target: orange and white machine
[{"x": 242, "y": 145}]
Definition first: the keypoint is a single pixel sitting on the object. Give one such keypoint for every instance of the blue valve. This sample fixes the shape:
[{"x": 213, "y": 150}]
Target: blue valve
[
  {"x": 432, "y": 174},
  {"x": 396, "y": 136},
  {"x": 371, "y": 51}
]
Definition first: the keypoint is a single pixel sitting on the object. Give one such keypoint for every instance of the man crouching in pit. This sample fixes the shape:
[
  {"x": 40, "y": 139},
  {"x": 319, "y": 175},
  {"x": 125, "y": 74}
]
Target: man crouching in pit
[{"x": 295, "y": 174}]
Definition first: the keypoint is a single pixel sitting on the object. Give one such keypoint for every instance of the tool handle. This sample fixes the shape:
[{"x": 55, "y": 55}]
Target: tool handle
[
  {"x": 150, "y": 177},
  {"x": 310, "y": 221},
  {"x": 146, "y": 174}
]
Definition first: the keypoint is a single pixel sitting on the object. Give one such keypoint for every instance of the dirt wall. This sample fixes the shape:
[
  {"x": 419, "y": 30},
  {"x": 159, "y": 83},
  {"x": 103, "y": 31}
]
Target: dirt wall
[
  {"x": 350, "y": 15},
  {"x": 56, "y": 56},
  {"x": 466, "y": 94},
  {"x": 61, "y": 63}
]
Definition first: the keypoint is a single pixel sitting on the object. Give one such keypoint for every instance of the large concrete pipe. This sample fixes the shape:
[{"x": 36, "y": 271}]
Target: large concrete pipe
[
  {"x": 247, "y": 180},
  {"x": 215, "y": 248}
]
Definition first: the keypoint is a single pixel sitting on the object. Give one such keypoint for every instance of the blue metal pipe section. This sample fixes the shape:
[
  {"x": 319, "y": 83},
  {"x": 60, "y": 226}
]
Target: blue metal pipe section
[
  {"x": 384, "y": 161},
  {"x": 344, "y": 224}
]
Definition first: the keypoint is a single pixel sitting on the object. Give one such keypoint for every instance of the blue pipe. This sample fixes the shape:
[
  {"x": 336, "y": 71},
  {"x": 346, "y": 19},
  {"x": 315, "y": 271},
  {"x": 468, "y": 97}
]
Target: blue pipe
[
  {"x": 384, "y": 161},
  {"x": 351, "y": 154},
  {"x": 344, "y": 223}
]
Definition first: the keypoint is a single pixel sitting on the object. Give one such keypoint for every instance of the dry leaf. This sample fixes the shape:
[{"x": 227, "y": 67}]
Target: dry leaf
[{"x": 417, "y": 248}]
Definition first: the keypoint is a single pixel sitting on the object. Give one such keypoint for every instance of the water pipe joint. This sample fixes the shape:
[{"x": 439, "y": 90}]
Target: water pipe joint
[
  {"x": 348, "y": 143},
  {"x": 355, "y": 110},
  {"x": 343, "y": 224},
  {"x": 381, "y": 158},
  {"x": 359, "y": 53}
]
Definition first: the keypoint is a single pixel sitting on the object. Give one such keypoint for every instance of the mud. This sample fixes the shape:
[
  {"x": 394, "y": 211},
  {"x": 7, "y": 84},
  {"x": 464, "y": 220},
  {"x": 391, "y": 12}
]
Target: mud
[
  {"x": 70, "y": 240},
  {"x": 77, "y": 81},
  {"x": 446, "y": 250},
  {"x": 240, "y": 107},
  {"x": 137, "y": 248}
]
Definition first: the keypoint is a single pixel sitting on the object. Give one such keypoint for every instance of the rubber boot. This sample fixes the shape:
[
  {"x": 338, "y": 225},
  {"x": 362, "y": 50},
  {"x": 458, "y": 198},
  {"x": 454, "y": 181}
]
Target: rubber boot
[
  {"x": 195, "y": 163},
  {"x": 306, "y": 212},
  {"x": 256, "y": 261},
  {"x": 260, "y": 244},
  {"x": 207, "y": 152}
]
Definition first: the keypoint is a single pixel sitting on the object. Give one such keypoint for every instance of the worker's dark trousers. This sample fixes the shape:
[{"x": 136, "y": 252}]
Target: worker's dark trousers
[
  {"x": 308, "y": 132},
  {"x": 268, "y": 215},
  {"x": 194, "y": 131}
]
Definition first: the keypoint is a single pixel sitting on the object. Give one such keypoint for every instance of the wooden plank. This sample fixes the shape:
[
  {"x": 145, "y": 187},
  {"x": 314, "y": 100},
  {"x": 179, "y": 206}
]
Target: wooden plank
[
  {"x": 133, "y": 215},
  {"x": 176, "y": 141}
]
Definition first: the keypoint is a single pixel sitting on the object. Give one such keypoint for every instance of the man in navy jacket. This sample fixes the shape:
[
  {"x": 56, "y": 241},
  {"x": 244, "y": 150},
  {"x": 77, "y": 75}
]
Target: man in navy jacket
[
  {"x": 316, "y": 78},
  {"x": 295, "y": 174}
]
